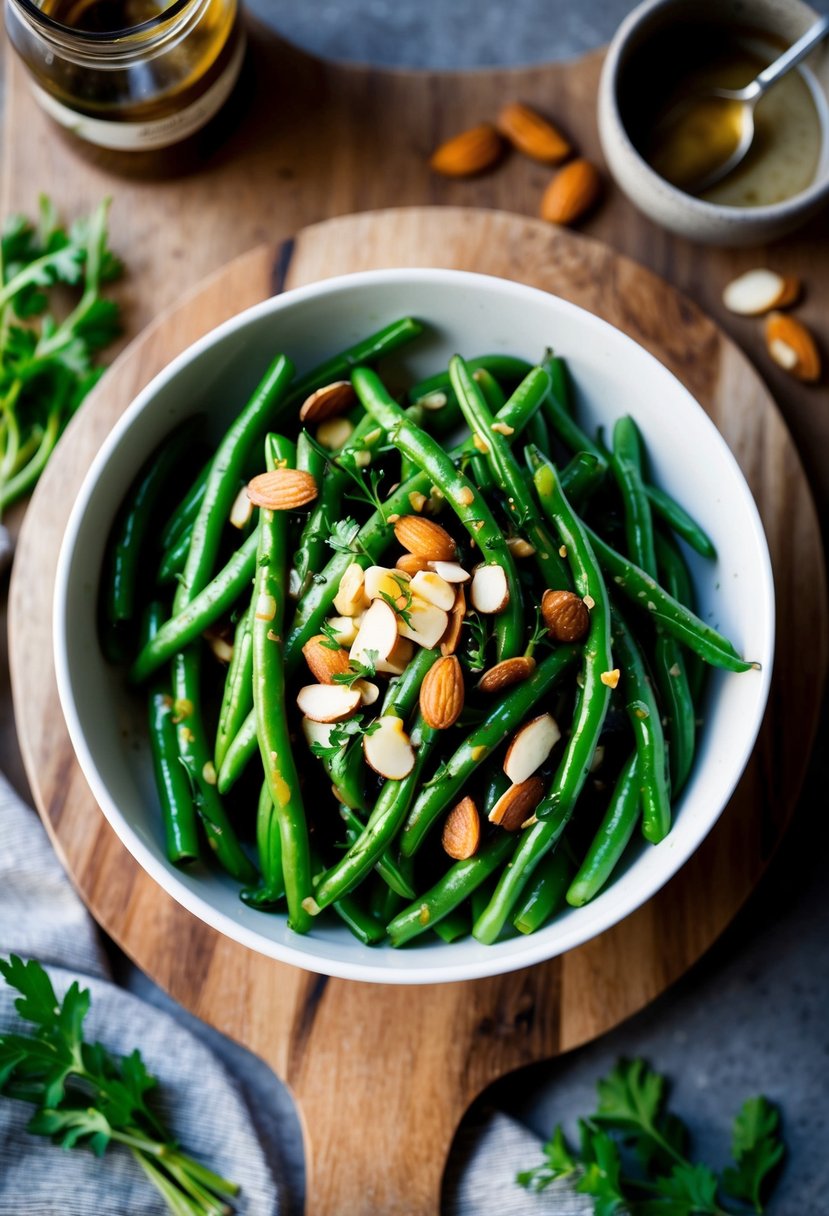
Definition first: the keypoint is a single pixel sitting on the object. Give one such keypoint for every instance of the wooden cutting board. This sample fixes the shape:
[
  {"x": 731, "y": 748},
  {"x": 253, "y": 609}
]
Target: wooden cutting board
[{"x": 383, "y": 1075}]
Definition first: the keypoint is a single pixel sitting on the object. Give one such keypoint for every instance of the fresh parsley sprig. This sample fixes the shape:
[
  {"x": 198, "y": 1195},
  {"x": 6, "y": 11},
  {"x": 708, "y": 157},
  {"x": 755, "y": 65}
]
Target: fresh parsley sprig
[
  {"x": 85, "y": 1095},
  {"x": 359, "y": 671},
  {"x": 633, "y": 1159}
]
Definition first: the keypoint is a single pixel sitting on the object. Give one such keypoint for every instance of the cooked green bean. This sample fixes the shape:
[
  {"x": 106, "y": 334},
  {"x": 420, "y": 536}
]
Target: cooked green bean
[
  {"x": 185, "y": 513},
  {"x": 561, "y": 385},
  {"x": 501, "y": 367},
  {"x": 568, "y": 430},
  {"x": 682, "y": 523},
  {"x": 611, "y": 838},
  {"x": 361, "y": 923},
  {"x": 389, "y": 870},
  {"x": 626, "y": 464},
  {"x": 237, "y": 699},
  {"x": 271, "y": 888},
  {"x": 453, "y": 925},
  {"x": 676, "y": 580},
  {"x": 174, "y": 558},
  {"x": 368, "y": 350},
  {"x": 545, "y": 893},
  {"x": 403, "y": 691}
]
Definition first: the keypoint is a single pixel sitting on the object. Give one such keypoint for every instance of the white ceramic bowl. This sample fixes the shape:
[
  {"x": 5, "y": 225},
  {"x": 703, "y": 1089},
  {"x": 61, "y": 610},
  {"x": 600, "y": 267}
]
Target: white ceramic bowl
[{"x": 471, "y": 314}]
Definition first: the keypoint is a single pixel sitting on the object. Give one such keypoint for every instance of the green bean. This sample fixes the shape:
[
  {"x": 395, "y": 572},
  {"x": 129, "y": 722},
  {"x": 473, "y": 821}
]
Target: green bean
[
  {"x": 680, "y": 718},
  {"x": 611, "y": 838},
  {"x": 538, "y": 433},
  {"x": 561, "y": 385},
  {"x": 453, "y": 926},
  {"x": 456, "y": 885},
  {"x": 501, "y": 367},
  {"x": 682, "y": 523},
  {"x": 186, "y": 511},
  {"x": 269, "y": 697},
  {"x": 361, "y": 923},
  {"x": 271, "y": 888},
  {"x": 347, "y": 770},
  {"x": 459, "y": 492},
  {"x": 569, "y": 432},
  {"x": 505, "y": 470},
  {"x": 174, "y": 558},
  {"x": 545, "y": 893},
  {"x": 403, "y": 691},
  {"x": 200, "y": 612},
  {"x": 581, "y": 477},
  {"x": 237, "y": 698},
  {"x": 178, "y": 813},
  {"x": 367, "y": 350},
  {"x": 592, "y": 700},
  {"x": 626, "y": 463},
  {"x": 240, "y": 751},
  {"x": 495, "y": 400},
  {"x": 452, "y": 776},
  {"x": 383, "y": 903},
  {"x": 644, "y": 717},
  {"x": 675, "y": 578},
  {"x": 388, "y": 869}
]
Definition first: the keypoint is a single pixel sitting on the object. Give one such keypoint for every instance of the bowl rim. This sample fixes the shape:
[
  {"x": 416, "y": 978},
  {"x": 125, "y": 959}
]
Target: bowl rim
[
  {"x": 504, "y": 957},
  {"x": 789, "y": 208}
]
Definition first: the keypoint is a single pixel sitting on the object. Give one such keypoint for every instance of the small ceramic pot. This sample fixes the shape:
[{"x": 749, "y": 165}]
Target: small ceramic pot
[{"x": 707, "y": 222}]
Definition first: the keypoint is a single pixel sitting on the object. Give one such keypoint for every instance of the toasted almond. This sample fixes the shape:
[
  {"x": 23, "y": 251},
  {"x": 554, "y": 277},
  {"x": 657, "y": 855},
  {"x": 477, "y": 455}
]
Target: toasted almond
[
  {"x": 328, "y": 702},
  {"x": 317, "y": 732},
  {"x": 334, "y": 433},
  {"x": 323, "y": 660},
  {"x": 429, "y": 586},
  {"x": 377, "y": 634},
  {"x": 571, "y": 193},
  {"x": 219, "y": 644},
  {"x": 566, "y": 615},
  {"x": 466, "y": 496},
  {"x": 398, "y": 660},
  {"x": 450, "y": 639},
  {"x": 451, "y": 572},
  {"x": 381, "y": 583},
  {"x": 282, "y": 489},
  {"x": 530, "y": 747},
  {"x": 241, "y": 510},
  {"x": 433, "y": 401},
  {"x": 517, "y": 804},
  {"x": 417, "y": 501},
  {"x": 328, "y": 402},
  {"x": 468, "y": 153},
  {"x": 519, "y": 547},
  {"x": 425, "y": 624},
  {"x": 489, "y": 590},
  {"x": 442, "y": 693},
  {"x": 351, "y": 597},
  {"x": 344, "y": 629},
  {"x": 425, "y": 538},
  {"x": 368, "y": 690},
  {"x": 792, "y": 347},
  {"x": 531, "y": 134},
  {"x": 409, "y": 564},
  {"x": 461, "y": 833},
  {"x": 388, "y": 749},
  {"x": 611, "y": 678},
  {"x": 505, "y": 674},
  {"x": 758, "y": 291}
]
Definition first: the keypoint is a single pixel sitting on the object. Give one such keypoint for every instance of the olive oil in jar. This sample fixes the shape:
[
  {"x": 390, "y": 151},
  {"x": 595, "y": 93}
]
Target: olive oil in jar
[{"x": 130, "y": 75}]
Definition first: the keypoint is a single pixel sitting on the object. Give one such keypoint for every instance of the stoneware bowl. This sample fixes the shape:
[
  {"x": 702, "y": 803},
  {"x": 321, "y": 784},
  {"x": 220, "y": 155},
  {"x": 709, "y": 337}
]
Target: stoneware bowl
[
  {"x": 467, "y": 313},
  {"x": 782, "y": 21}
]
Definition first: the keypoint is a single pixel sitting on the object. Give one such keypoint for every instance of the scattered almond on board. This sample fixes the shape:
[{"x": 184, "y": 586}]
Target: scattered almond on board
[
  {"x": 763, "y": 292},
  {"x": 571, "y": 193}
]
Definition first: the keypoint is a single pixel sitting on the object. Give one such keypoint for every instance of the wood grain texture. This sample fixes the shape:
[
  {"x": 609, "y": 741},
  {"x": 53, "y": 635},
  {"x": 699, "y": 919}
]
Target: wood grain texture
[{"x": 320, "y": 140}]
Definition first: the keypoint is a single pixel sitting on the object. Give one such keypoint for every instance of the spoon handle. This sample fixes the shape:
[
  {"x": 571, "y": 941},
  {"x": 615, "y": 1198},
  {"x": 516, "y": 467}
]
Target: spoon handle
[{"x": 792, "y": 57}]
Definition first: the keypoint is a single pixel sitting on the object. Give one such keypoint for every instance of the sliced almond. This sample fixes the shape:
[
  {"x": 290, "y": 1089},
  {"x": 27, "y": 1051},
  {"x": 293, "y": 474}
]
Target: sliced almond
[
  {"x": 368, "y": 690},
  {"x": 241, "y": 510},
  {"x": 531, "y": 134},
  {"x": 489, "y": 591},
  {"x": 335, "y": 433},
  {"x": 468, "y": 153},
  {"x": 351, "y": 597},
  {"x": 792, "y": 347},
  {"x": 282, "y": 489},
  {"x": 323, "y": 660},
  {"x": 410, "y": 564},
  {"x": 425, "y": 538},
  {"x": 317, "y": 732},
  {"x": 461, "y": 833},
  {"x": 451, "y": 572},
  {"x": 435, "y": 590},
  {"x": 505, "y": 674},
  {"x": 519, "y": 547},
  {"x": 388, "y": 749},
  {"x": 566, "y": 615},
  {"x": 398, "y": 660},
  {"x": 219, "y": 644},
  {"x": 450, "y": 639},
  {"x": 344, "y": 629},
  {"x": 517, "y": 804},
  {"x": 530, "y": 747},
  {"x": 328, "y": 702},
  {"x": 442, "y": 693},
  {"x": 381, "y": 582},
  {"x": 328, "y": 402},
  {"x": 433, "y": 401},
  {"x": 571, "y": 193},
  {"x": 758, "y": 291},
  {"x": 425, "y": 624},
  {"x": 377, "y": 634}
]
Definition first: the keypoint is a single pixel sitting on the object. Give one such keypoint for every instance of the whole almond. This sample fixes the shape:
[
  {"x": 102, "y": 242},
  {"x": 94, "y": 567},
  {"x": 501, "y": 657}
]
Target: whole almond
[
  {"x": 424, "y": 538},
  {"x": 566, "y": 615},
  {"x": 517, "y": 804},
  {"x": 571, "y": 193},
  {"x": 328, "y": 402},
  {"x": 442, "y": 693},
  {"x": 504, "y": 675},
  {"x": 450, "y": 639},
  {"x": 758, "y": 291},
  {"x": 468, "y": 153},
  {"x": 410, "y": 564},
  {"x": 282, "y": 489},
  {"x": 462, "y": 830},
  {"x": 531, "y": 134},
  {"x": 324, "y": 660},
  {"x": 792, "y": 347}
]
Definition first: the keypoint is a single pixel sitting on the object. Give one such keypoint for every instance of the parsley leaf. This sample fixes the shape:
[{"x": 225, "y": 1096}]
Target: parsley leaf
[
  {"x": 343, "y": 535},
  {"x": 559, "y": 1163},
  {"x": 756, "y": 1148},
  {"x": 359, "y": 671},
  {"x": 601, "y": 1178}
]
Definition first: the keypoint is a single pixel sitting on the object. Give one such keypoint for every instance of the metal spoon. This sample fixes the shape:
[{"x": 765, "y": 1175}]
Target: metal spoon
[{"x": 746, "y": 98}]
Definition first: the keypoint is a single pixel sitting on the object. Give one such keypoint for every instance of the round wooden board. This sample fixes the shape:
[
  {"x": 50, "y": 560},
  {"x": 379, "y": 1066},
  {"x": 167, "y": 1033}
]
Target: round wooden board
[{"x": 365, "y": 1062}]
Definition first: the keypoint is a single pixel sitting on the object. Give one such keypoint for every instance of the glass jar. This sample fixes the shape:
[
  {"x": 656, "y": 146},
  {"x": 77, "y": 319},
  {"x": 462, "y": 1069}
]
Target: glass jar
[{"x": 133, "y": 75}]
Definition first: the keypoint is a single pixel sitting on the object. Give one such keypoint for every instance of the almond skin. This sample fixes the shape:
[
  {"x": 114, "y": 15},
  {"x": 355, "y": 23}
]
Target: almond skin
[
  {"x": 566, "y": 615},
  {"x": 792, "y": 347},
  {"x": 442, "y": 693},
  {"x": 424, "y": 538},
  {"x": 410, "y": 564},
  {"x": 517, "y": 804},
  {"x": 571, "y": 193},
  {"x": 282, "y": 489},
  {"x": 450, "y": 639},
  {"x": 531, "y": 134},
  {"x": 325, "y": 662},
  {"x": 504, "y": 675},
  {"x": 462, "y": 830},
  {"x": 328, "y": 402},
  {"x": 468, "y": 153}
]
